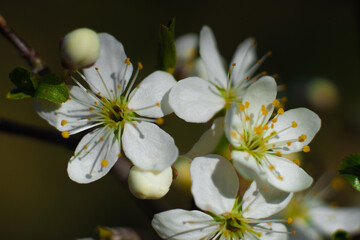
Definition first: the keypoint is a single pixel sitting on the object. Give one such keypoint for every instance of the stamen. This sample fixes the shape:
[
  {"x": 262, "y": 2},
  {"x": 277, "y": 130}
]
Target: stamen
[
  {"x": 306, "y": 148},
  {"x": 65, "y": 134},
  {"x": 63, "y": 122}
]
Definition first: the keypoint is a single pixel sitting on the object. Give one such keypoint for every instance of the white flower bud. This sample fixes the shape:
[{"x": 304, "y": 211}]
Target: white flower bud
[
  {"x": 80, "y": 48},
  {"x": 147, "y": 184}
]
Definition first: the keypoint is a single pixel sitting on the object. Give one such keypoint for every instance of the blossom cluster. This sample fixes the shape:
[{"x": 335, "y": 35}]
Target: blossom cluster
[{"x": 242, "y": 105}]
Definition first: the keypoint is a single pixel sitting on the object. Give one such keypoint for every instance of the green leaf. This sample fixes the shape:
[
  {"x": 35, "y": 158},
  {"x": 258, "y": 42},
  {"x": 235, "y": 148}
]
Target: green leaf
[
  {"x": 23, "y": 80},
  {"x": 51, "y": 88},
  {"x": 350, "y": 170},
  {"x": 167, "y": 50},
  {"x": 17, "y": 94},
  {"x": 340, "y": 235}
]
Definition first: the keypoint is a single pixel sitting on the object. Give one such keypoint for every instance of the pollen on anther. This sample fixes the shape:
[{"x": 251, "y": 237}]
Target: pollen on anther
[
  {"x": 259, "y": 62},
  {"x": 127, "y": 61},
  {"x": 280, "y": 111},
  {"x": 160, "y": 121},
  {"x": 91, "y": 108},
  {"x": 247, "y": 104},
  {"x": 158, "y": 104},
  {"x": 293, "y": 232},
  {"x": 271, "y": 167},
  {"x": 97, "y": 69},
  {"x": 104, "y": 163},
  {"x": 85, "y": 147},
  {"x": 276, "y": 103},
  {"x": 242, "y": 107},
  {"x": 140, "y": 66},
  {"x": 288, "y": 143},
  {"x": 302, "y": 138},
  {"x": 278, "y": 153},
  {"x": 89, "y": 118},
  {"x": 247, "y": 118},
  {"x": 95, "y": 103},
  {"x": 233, "y": 64},
  {"x": 234, "y": 134},
  {"x": 280, "y": 177},
  {"x": 294, "y": 124},
  {"x": 290, "y": 220},
  {"x": 65, "y": 134},
  {"x": 119, "y": 155},
  {"x": 63, "y": 122},
  {"x": 274, "y": 120},
  {"x": 306, "y": 148},
  {"x": 102, "y": 139},
  {"x": 248, "y": 78}
]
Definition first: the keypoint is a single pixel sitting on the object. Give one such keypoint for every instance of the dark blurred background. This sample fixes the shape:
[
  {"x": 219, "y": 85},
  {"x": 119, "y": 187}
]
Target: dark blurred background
[{"x": 313, "y": 43}]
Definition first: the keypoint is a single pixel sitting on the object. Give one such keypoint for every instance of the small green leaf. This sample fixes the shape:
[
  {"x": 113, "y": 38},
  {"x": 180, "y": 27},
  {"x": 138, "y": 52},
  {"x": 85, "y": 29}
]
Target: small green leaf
[
  {"x": 51, "y": 88},
  {"x": 167, "y": 50},
  {"x": 350, "y": 170},
  {"x": 340, "y": 235},
  {"x": 17, "y": 94},
  {"x": 23, "y": 80}
]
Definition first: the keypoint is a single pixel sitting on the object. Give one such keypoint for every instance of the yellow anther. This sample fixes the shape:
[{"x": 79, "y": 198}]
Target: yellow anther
[
  {"x": 269, "y": 53},
  {"x": 229, "y": 70},
  {"x": 97, "y": 69},
  {"x": 280, "y": 111},
  {"x": 337, "y": 183},
  {"x": 158, "y": 104},
  {"x": 70, "y": 98},
  {"x": 87, "y": 91},
  {"x": 134, "y": 124},
  {"x": 284, "y": 99},
  {"x": 259, "y": 62},
  {"x": 274, "y": 120},
  {"x": 264, "y": 188},
  {"x": 118, "y": 87},
  {"x": 258, "y": 234},
  {"x": 111, "y": 90},
  {"x": 290, "y": 220},
  {"x": 258, "y": 130},
  {"x": 263, "y": 73},
  {"x": 95, "y": 103},
  {"x": 104, "y": 163},
  {"x": 294, "y": 124},
  {"x": 89, "y": 118},
  {"x": 280, "y": 177},
  {"x": 234, "y": 134},
  {"x": 242, "y": 107},
  {"x": 99, "y": 93},
  {"x": 269, "y": 223},
  {"x": 127, "y": 61},
  {"x": 302, "y": 138},
  {"x": 276, "y": 103},
  {"x": 160, "y": 121},
  {"x": 293, "y": 232},
  {"x": 63, "y": 122},
  {"x": 278, "y": 153},
  {"x": 288, "y": 143},
  {"x": 85, "y": 147},
  {"x": 271, "y": 167},
  {"x": 272, "y": 125},
  {"x": 91, "y": 108},
  {"x": 306, "y": 148},
  {"x": 273, "y": 133},
  {"x": 140, "y": 66},
  {"x": 65, "y": 134},
  {"x": 234, "y": 64},
  {"x": 248, "y": 78},
  {"x": 247, "y": 118},
  {"x": 265, "y": 127},
  {"x": 247, "y": 104},
  {"x": 101, "y": 139},
  {"x": 296, "y": 161}
]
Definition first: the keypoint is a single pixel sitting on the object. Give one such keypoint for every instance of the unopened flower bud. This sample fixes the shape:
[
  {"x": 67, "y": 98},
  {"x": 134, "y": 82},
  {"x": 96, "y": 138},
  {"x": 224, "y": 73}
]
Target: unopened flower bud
[
  {"x": 149, "y": 184},
  {"x": 80, "y": 48}
]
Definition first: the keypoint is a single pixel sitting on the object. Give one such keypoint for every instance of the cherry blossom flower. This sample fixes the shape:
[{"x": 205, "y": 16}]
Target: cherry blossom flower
[
  {"x": 215, "y": 190},
  {"x": 259, "y": 140},
  {"x": 122, "y": 118},
  {"x": 196, "y": 99}
]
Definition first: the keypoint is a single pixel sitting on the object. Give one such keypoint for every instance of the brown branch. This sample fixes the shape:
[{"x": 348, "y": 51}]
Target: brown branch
[{"x": 28, "y": 53}]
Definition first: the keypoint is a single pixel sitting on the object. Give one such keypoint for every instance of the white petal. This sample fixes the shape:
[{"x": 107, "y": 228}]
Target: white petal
[
  {"x": 154, "y": 89},
  {"x": 180, "y": 224},
  {"x": 233, "y": 122},
  {"x": 186, "y": 47},
  {"x": 211, "y": 57},
  {"x": 215, "y": 184},
  {"x": 93, "y": 156},
  {"x": 111, "y": 65},
  {"x": 328, "y": 219},
  {"x": 75, "y": 114},
  {"x": 244, "y": 58},
  {"x": 247, "y": 165},
  {"x": 308, "y": 123},
  {"x": 293, "y": 178},
  {"x": 256, "y": 206},
  {"x": 262, "y": 92},
  {"x": 195, "y": 100},
  {"x": 148, "y": 146},
  {"x": 280, "y": 234},
  {"x": 209, "y": 140}
]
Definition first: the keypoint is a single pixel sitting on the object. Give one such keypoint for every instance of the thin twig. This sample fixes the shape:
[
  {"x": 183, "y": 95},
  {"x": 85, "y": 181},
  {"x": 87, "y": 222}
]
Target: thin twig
[{"x": 28, "y": 53}]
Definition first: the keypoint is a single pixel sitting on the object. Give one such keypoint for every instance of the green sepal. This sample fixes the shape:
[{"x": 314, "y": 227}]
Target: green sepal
[
  {"x": 17, "y": 94},
  {"x": 341, "y": 235},
  {"x": 23, "y": 80},
  {"x": 350, "y": 170},
  {"x": 51, "y": 88},
  {"x": 167, "y": 49}
]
